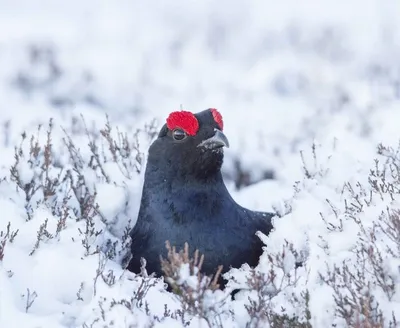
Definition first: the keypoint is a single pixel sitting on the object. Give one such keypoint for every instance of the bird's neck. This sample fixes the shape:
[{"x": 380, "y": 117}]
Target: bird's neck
[
  {"x": 170, "y": 178},
  {"x": 176, "y": 194}
]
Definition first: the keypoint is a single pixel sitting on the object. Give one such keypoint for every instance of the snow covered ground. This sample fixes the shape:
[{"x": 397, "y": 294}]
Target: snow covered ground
[{"x": 308, "y": 90}]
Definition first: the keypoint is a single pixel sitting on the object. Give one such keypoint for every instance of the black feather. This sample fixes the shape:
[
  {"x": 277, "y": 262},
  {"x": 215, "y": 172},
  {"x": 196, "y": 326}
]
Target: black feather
[{"x": 184, "y": 199}]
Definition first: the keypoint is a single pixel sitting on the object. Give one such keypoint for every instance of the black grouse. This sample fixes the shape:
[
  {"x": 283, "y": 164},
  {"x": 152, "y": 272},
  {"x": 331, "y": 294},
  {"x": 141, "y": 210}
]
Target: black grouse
[{"x": 184, "y": 199}]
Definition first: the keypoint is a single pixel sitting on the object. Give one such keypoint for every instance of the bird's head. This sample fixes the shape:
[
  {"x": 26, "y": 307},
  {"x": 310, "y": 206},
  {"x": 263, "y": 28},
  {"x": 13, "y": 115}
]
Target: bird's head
[{"x": 190, "y": 144}]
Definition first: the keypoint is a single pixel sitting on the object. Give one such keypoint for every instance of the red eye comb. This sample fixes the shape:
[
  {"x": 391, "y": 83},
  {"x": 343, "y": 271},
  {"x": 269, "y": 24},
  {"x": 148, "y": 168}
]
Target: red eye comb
[
  {"x": 217, "y": 118},
  {"x": 184, "y": 120}
]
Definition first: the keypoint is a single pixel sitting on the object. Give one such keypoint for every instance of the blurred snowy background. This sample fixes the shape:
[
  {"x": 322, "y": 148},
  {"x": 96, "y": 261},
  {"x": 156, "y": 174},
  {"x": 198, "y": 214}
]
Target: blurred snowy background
[{"x": 283, "y": 74}]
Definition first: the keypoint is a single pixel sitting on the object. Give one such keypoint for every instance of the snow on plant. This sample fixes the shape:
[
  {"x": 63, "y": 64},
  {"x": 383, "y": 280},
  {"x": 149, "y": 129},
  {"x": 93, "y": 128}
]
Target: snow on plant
[
  {"x": 332, "y": 259},
  {"x": 53, "y": 189},
  {"x": 346, "y": 235}
]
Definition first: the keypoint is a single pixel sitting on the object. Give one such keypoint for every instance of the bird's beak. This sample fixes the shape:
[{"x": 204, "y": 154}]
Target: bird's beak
[{"x": 218, "y": 140}]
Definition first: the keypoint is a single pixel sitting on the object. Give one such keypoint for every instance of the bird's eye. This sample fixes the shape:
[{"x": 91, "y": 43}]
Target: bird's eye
[{"x": 178, "y": 134}]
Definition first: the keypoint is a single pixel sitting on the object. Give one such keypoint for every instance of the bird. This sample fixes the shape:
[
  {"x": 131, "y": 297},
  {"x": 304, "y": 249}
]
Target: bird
[{"x": 185, "y": 200}]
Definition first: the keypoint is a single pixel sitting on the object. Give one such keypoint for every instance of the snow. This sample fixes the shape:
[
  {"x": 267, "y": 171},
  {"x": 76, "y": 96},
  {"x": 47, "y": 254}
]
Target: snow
[{"x": 307, "y": 90}]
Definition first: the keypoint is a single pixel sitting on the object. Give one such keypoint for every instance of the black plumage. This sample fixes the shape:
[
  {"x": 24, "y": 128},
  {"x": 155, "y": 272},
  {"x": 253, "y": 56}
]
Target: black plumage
[{"x": 184, "y": 199}]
